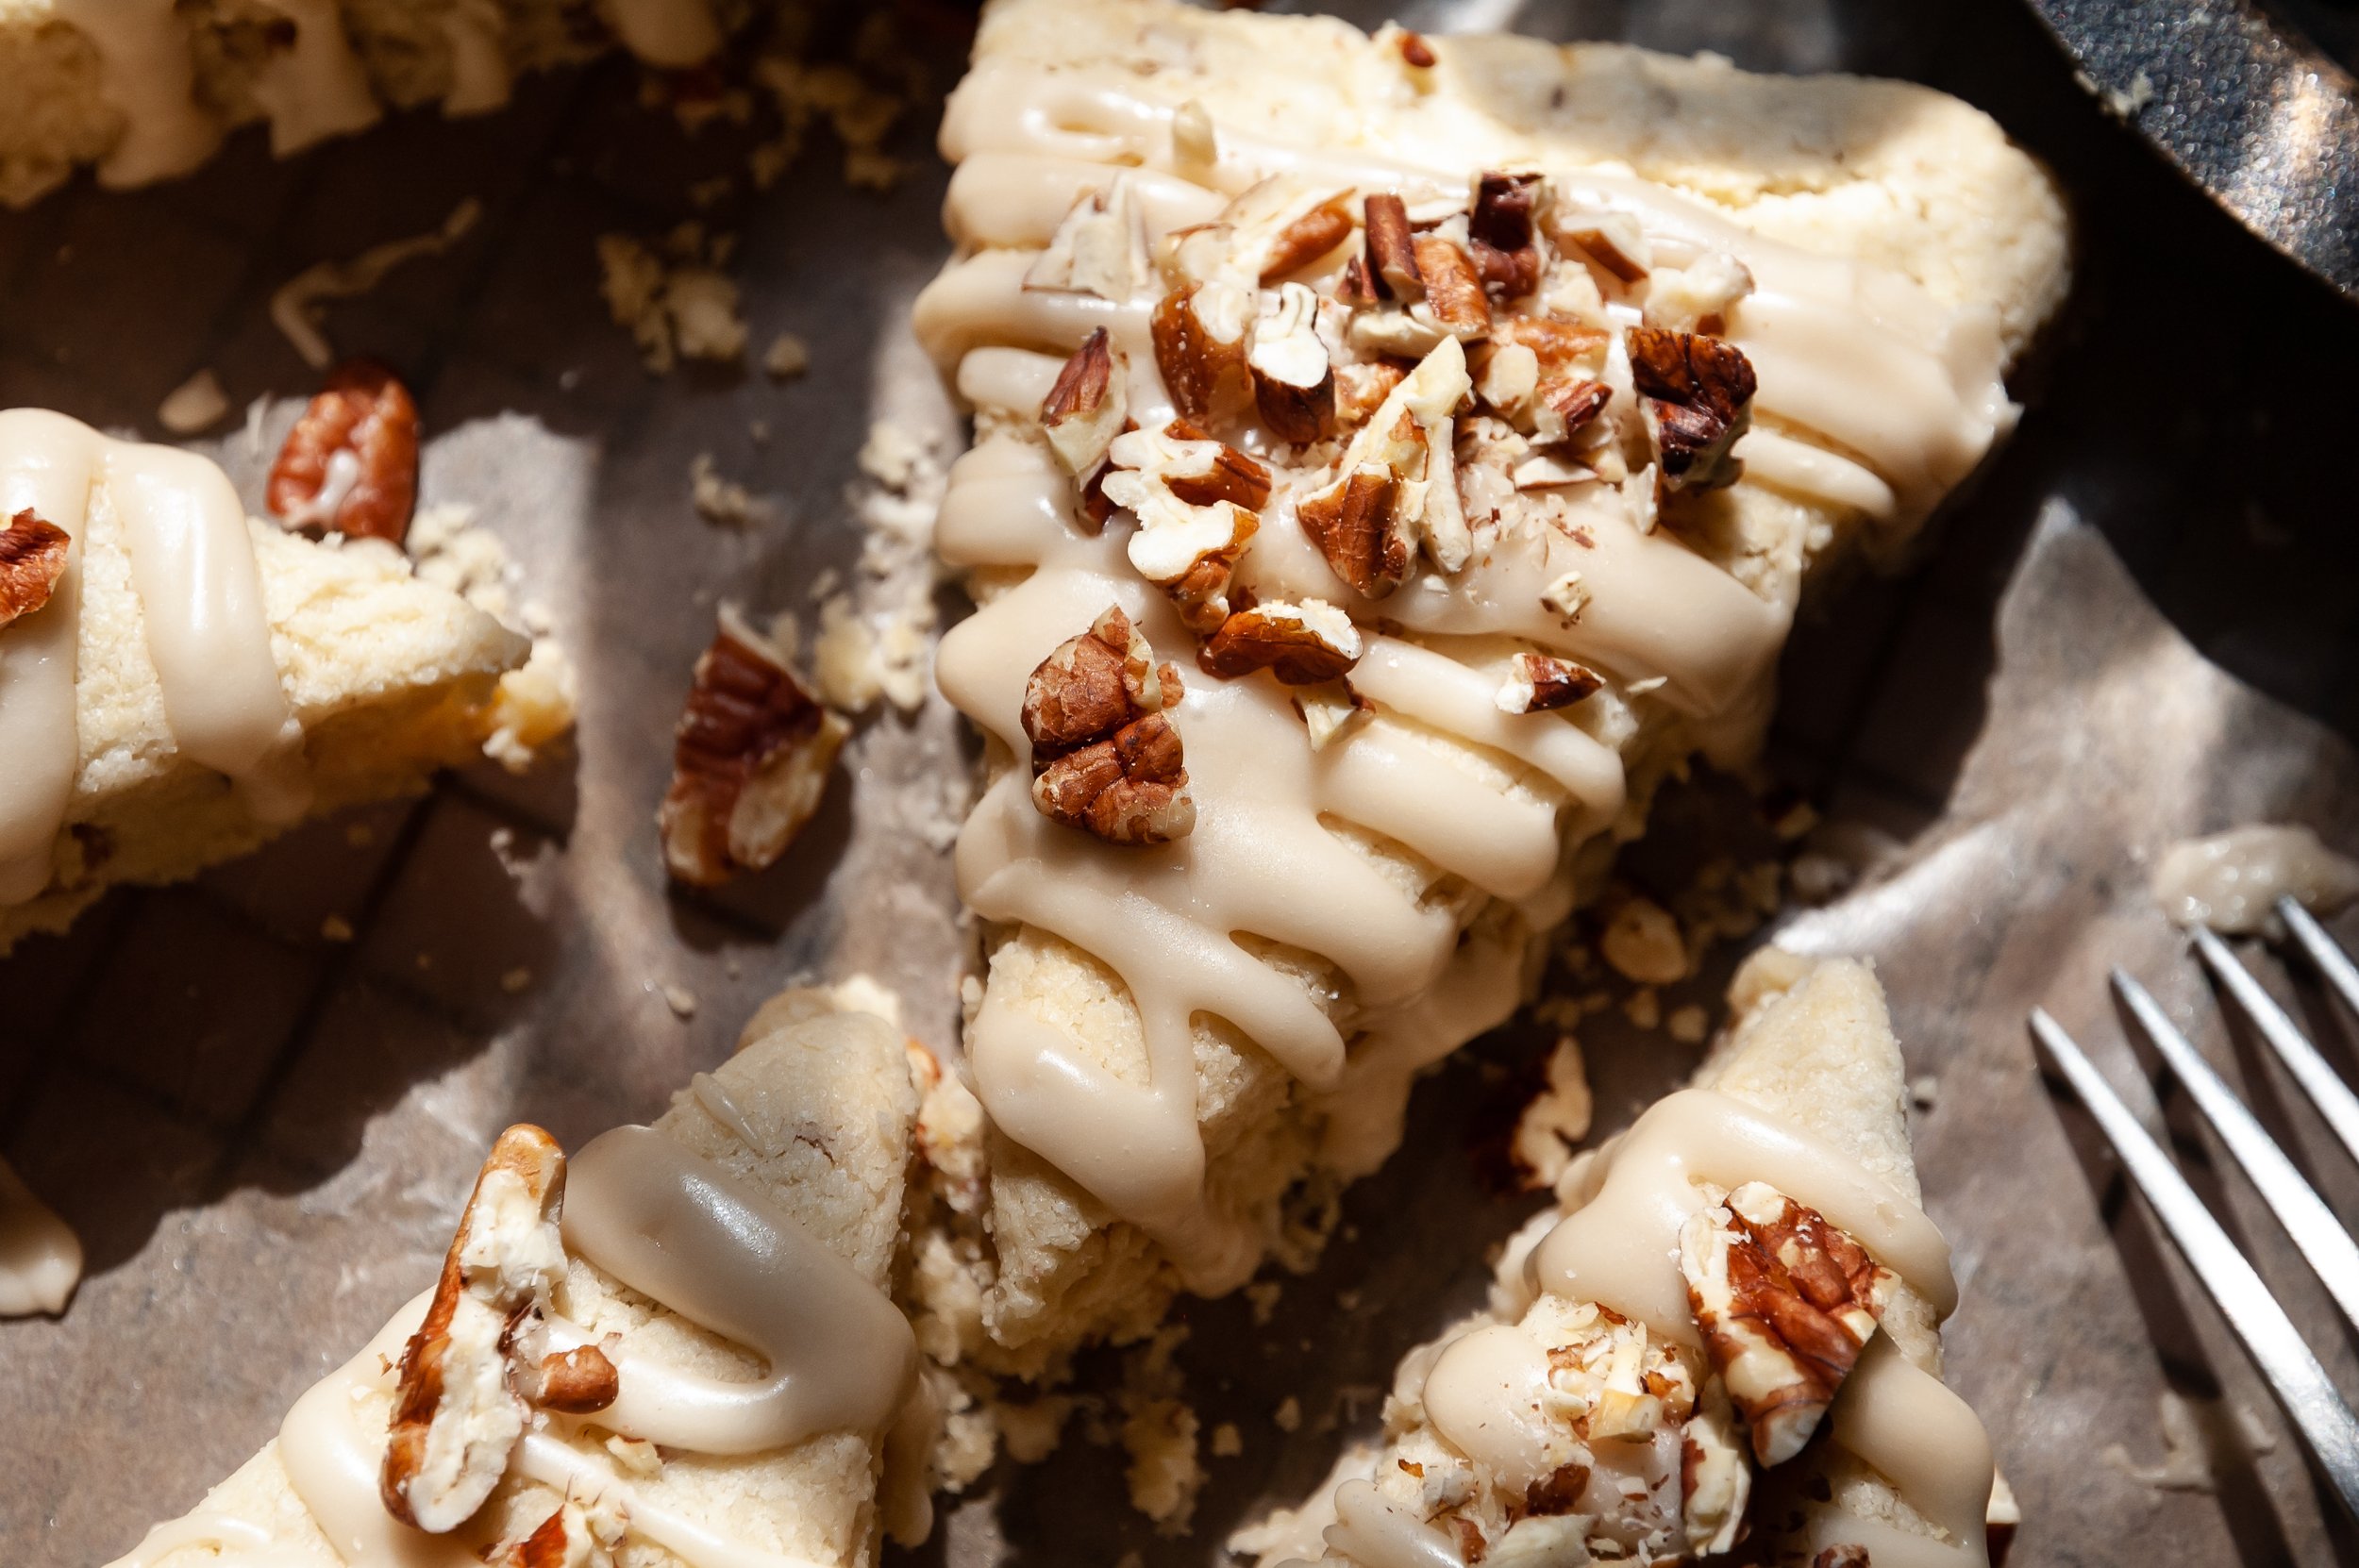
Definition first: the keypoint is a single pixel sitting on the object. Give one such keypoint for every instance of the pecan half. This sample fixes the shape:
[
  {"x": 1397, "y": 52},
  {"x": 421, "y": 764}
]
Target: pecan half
[
  {"x": 1294, "y": 382},
  {"x": 1499, "y": 232},
  {"x": 1392, "y": 253},
  {"x": 1306, "y": 239},
  {"x": 1105, "y": 758},
  {"x": 1357, "y": 523},
  {"x": 1784, "y": 1302},
  {"x": 1453, "y": 290},
  {"x": 33, "y": 556},
  {"x": 455, "y": 1415},
  {"x": 1304, "y": 642},
  {"x": 350, "y": 465},
  {"x": 1539, "y": 683},
  {"x": 1696, "y": 394},
  {"x": 750, "y": 760},
  {"x": 1200, "y": 347},
  {"x": 1088, "y": 406}
]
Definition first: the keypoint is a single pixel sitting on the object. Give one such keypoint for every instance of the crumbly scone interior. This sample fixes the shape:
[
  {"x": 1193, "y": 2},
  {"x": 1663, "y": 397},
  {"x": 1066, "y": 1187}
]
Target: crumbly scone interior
[
  {"x": 807, "y": 1127},
  {"x": 1184, "y": 1047},
  {"x": 1631, "y": 1445}
]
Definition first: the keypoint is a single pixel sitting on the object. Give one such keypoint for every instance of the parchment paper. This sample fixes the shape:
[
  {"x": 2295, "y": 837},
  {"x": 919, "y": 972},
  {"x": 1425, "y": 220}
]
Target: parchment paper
[{"x": 2142, "y": 625}]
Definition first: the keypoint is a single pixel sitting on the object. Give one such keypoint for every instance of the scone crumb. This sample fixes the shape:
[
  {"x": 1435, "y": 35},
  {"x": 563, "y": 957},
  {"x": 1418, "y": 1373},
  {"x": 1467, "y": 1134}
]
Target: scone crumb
[
  {"x": 1262, "y": 1297},
  {"x": 1288, "y": 1417},
  {"x": 1687, "y": 1024},
  {"x": 636, "y": 1455},
  {"x": 197, "y": 403},
  {"x": 1557, "y": 1119},
  {"x": 678, "y": 998},
  {"x": 336, "y": 928},
  {"x": 516, "y": 981},
  {"x": 787, "y": 356},
  {"x": 1227, "y": 1443},
  {"x": 720, "y": 500}
]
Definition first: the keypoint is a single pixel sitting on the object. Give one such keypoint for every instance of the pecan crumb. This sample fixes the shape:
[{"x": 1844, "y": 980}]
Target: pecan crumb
[
  {"x": 750, "y": 760},
  {"x": 1105, "y": 758},
  {"x": 33, "y": 556},
  {"x": 1696, "y": 394},
  {"x": 350, "y": 465}
]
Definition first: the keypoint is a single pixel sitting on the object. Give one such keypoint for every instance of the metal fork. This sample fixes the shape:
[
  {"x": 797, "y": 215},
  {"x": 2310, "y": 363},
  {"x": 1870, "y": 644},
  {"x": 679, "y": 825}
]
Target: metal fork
[{"x": 2294, "y": 1374}]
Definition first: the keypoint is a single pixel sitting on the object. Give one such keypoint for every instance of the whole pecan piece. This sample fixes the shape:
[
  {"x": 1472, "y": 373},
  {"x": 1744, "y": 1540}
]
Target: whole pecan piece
[
  {"x": 750, "y": 760},
  {"x": 1105, "y": 757},
  {"x": 350, "y": 465},
  {"x": 33, "y": 556}
]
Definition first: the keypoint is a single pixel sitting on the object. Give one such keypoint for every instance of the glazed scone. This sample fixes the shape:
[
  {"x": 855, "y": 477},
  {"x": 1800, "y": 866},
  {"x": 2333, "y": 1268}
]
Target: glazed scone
[
  {"x": 1454, "y": 424},
  {"x": 713, "y": 1289},
  {"x": 1744, "y": 1266},
  {"x": 145, "y": 89},
  {"x": 195, "y": 679}
]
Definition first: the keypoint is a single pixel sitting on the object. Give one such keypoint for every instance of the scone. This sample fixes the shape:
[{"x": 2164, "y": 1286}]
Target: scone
[
  {"x": 1393, "y": 457},
  {"x": 1726, "y": 1334},
  {"x": 671, "y": 1348},
  {"x": 179, "y": 681},
  {"x": 144, "y": 89}
]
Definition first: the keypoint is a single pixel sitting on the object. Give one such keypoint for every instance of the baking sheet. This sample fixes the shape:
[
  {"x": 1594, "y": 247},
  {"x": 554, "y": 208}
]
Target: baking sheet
[{"x": 2142, "y": 625}]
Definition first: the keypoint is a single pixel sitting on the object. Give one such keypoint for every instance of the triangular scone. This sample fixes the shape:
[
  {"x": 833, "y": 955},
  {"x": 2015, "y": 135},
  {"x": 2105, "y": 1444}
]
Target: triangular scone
[
  {"x": 1258, "y": 849},
  {"x": 750, "y": 1367},
  {"x": 380, "y": 677},
  {"x": 1778, "y": 1385}
]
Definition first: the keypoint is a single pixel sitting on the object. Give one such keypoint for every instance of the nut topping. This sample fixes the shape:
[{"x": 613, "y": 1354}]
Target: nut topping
[
  {"x": 1391, "y": 258},
  {"x": 1306, "y": 239},
  {"x": 350, "y": 465},
  {"x": 1784, "y": 1302},
  {"x": 576, "y": 1382},
  {"x": 1104, "y": 758},
  {"x": 750, "y": 760},
  {"x": 1538, "y": 683},
  {"x": 1696, "y": 394},
  {"x": 1568, "y": 405},
  {"x": 1200, "y": 347},
  {"x": 1698, "y": 297},
  {"x": 1412, "y": 435},
  {"x": 1415, "y": 52},
  {"x": 1359, "y": 527},
  {"x": 1615, "y": 242},
  {"x": 1453, "y": 290},
  {"x": 1294, "y": 384},
  {"x": 1499, "y": 233},
  {"x": 1196, "y": 500},
  {"x": 1089, "y": 405},
  {"x": 578, "y": 1535},
  {"x": 1303, "y": 644},
  {"x": 1099, "y": 248},
  {"x": 33, "y": 556},
  {"x": 1330, "y": 712},
  {"x": 456, "y": 1414}
]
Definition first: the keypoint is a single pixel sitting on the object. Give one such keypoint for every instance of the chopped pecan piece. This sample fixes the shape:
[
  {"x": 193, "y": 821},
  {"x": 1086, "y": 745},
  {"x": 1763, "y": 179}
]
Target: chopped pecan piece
[
  {"x": 1357, "y": 288},
  {"x": 577, "y": 1382},
  {"x": 1614, "y": 240},
  {"x": 33, "y": 556},
  {"x": 350, "y": 465},
  {"x": 750, "y": 760},
  {"x": 1410, "y": 436},
  {"x": 1537, "y": 683},
  {"x": 1699, "y": 296},
  {"x": 1568, "y": 405},
  {"x": 1089, "y": 405},
  {"x": 1331, "y": 710},
  {"x": 1499, "y": 233},
  {"x": 1221, "y": 472},
  {"x": 1453, "y": 290},
  {"x": 1100, "y": 247},
  {"x": 1200, "y": 347},
  {"x": 1843, "y": 1556},
  {"x": 1416, "y": 50},
  {"x": 1294, "y": 383},
  {"x": 1105, "y": 758},
  {"x": 1392, "y": 253},
  {"x": 1304, "y": 642},
  {"x": 1357, "y": 525},
  {"x": 1696, "y": 394},
  {"x": 1558, "y": 345},
  {"x": 456, "y": 1415},
  {"x": 1306, "y": 239},
  {"x": 1191, "y": 496},
  {"x": 1784, "y": 1302},
  {"x": 577, "y": 1535}
]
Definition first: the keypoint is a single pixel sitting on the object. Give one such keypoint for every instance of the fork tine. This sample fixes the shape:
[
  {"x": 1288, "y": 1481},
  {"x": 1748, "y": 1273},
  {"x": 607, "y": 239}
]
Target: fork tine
[
  {"x": 2335, "y": 1100},
  {"x": 2332, "y": 963},
  {"x": 2306, "y": 1219},
  {"x": 2294, "y": 1374}
]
